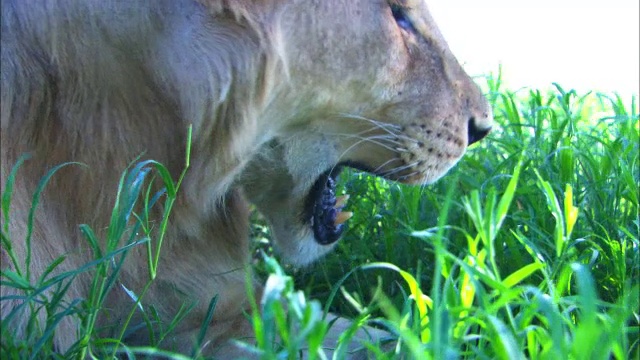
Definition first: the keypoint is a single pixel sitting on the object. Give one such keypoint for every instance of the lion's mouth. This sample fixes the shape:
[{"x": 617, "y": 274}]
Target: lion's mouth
[{"x": 323, "y": 209}]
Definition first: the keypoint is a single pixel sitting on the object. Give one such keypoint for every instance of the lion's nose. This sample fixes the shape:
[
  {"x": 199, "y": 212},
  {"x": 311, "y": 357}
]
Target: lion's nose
[{"x": 475, "y": 132}]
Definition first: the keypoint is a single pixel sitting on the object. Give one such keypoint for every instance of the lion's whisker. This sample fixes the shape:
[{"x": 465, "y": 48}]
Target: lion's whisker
[
  {"x": 390, "y": 135},
  {"x": 401, "y": 168},
  {"x": 379, "y": 124},
  {"x": 354, "y": 145},
  {"x": 390, "y": 139},
  {"x": 373, "y": 140},
  {"x": 376, "y": 127},
  {"x": 376, "y": 170}
]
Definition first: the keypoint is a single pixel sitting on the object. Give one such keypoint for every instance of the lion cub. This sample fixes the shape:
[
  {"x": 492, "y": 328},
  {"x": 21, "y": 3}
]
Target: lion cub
[{"x": 280, "y": 94}]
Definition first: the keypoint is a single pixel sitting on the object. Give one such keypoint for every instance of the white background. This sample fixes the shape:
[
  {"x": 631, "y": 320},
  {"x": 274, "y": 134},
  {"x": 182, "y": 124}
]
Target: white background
[{"x": 580, "y": 44}]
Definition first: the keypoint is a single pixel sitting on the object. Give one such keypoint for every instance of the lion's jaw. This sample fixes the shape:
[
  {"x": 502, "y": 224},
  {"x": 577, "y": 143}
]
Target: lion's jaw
[{"x": 281, "y": 187}]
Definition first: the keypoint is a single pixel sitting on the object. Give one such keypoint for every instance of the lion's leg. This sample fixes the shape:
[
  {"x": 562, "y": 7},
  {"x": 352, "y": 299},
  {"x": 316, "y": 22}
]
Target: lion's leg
[
  {"x": 221, "y": 337},
  {"x": 230, "y": 322},
  {"x": 221, "y": 334},
  {"x": 205, "y": 261},
  {"x": 357, "y": 349}
]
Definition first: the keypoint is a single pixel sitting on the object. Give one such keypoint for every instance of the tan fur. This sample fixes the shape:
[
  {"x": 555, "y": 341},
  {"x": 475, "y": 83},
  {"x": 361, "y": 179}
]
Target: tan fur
[{"x": 101, "y": 82}]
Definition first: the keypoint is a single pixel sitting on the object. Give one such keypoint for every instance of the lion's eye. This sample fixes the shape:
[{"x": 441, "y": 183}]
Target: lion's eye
[{"x": 400, "y": 15}]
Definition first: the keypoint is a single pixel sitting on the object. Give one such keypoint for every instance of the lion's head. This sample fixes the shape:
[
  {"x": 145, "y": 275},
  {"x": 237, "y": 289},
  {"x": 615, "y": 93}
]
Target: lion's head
[{"x": 371, "y": 85}]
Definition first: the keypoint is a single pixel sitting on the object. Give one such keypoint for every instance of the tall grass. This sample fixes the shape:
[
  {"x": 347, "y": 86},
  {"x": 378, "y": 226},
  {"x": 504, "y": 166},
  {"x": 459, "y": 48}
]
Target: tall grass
[
  {"x": 527, "y": 249},
  {"x": 48, "y": 293},
  {"x": 538, "y": 256}
]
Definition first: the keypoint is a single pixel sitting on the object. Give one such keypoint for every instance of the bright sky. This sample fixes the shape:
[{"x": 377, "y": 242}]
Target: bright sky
[{"x": 580, "y": 44}]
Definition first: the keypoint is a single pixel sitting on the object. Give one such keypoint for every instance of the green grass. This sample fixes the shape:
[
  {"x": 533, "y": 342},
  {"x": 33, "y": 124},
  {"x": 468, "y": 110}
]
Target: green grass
[
  {"x": 539, "y": 258},
  {"x": 527, "y": 249}
]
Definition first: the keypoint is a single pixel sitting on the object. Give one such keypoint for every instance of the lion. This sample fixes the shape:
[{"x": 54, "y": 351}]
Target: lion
[{"x": 280, "y": 94}]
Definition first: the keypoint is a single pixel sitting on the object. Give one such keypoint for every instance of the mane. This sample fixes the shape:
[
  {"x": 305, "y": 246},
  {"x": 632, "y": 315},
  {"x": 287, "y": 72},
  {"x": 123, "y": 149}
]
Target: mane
[{"x": 100, "y": 81}]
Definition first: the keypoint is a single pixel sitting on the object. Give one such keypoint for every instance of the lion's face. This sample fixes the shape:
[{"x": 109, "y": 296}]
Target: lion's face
[{"x": 372, "y": 85}]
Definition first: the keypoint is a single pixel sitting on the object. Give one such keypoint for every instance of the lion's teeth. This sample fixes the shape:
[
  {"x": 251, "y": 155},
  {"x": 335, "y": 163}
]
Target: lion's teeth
[
  {"x": 342, "y": 217},
  {"x": 341, "y": 201}
]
